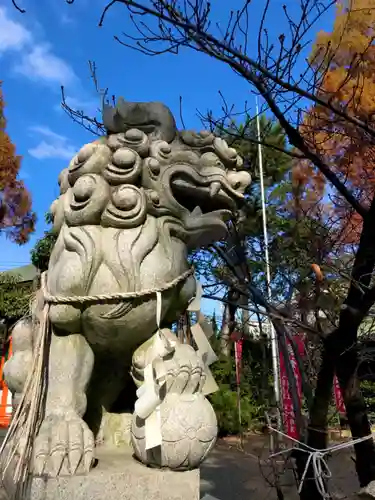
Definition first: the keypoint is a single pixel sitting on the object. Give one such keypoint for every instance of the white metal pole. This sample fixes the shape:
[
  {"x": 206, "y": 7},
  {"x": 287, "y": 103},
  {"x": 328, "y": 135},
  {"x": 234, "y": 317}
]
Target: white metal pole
[
  {"x": 238, "y": 386},
  {"x": 272, "y": 333}
]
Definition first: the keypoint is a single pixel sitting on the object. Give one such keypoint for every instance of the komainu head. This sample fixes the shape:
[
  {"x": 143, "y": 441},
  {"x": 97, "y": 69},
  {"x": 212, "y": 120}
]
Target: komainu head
[{"x": 146, "y": 167}]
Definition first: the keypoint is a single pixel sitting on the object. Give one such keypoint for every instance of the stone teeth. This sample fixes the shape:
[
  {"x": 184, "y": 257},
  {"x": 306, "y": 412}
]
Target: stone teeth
[
  {"x": 215, "y": 188},
  {"x": 197, "y": 211}
]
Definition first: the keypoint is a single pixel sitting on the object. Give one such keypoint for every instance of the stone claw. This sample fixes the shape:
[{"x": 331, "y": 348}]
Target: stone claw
[
  {"x": 184, "y": 371},
  {"x": 64, "y": 446}
]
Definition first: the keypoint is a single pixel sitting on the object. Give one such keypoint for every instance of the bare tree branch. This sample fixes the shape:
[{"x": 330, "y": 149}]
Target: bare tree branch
[
  {"x": 18, "y": 7},
  {"x": 194, "y": 34},
  {"x": 207, "y": 42}
]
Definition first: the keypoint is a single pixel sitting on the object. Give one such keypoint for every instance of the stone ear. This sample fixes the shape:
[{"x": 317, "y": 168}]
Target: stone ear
[{"x": 153, "y": 118}]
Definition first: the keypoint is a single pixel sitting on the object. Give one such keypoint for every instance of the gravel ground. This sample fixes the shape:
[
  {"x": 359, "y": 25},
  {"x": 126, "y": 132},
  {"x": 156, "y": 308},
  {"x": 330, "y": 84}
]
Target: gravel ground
[{"x": 233, "y": 474}]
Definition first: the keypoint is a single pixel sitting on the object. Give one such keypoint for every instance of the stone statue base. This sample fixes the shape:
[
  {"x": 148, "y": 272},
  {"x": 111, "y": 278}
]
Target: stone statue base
[{"x": 119, "y": 476}]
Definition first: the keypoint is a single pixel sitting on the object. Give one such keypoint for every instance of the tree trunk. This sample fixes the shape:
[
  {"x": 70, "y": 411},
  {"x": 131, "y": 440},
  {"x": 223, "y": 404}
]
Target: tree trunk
[
  {"x": 228, "y": 323},
  {"x": 341, "y": 354},
  {"x": 343, "y": 345},
  {"x": 317, "y": 429}
]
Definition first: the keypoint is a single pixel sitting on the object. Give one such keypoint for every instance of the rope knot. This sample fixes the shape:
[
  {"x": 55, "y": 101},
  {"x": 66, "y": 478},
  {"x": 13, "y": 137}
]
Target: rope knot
[
  {"x": 320, "y": 470},
  {"x": 317, "y": 459}
]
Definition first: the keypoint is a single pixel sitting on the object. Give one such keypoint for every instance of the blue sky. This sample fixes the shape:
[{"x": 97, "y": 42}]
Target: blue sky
[{"x": 50, "y": 46}]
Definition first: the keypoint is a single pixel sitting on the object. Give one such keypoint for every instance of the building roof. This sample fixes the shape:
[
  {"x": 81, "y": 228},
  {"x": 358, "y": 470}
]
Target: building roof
[{"x": 24, "y": 273}]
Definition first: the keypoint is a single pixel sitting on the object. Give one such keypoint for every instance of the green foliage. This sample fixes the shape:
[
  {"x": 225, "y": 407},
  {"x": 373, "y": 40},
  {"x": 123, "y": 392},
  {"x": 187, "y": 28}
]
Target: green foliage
[
  {"x": 368, "y": 392},
  {"x": 255, "y": 390},
  {"x": 295, "y": 242},
  {"x": 224, "y": 402},
  {"x": 41, "y": 252},
  {"x": 14, "y": 297},
  {"x": 276, "y": 165},
  {"x": 214, "y": 325},
  {"x": 244, "y": 138},
  {"x": 285, "y": 234}
]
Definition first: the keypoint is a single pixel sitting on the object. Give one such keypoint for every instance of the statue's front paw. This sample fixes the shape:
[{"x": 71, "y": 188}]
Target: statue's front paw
[{"x": 64, "y": 446}]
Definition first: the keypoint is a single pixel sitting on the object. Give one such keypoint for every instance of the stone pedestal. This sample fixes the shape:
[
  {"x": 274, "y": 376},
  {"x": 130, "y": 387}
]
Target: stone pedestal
[{"x": 119, "y": 476}]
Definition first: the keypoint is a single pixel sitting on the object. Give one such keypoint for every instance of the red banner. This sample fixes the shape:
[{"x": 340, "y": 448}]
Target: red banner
[
  {"x": 339, "y": 400},
  {"x": 288, "y": 412},
  {"x": 238, "y": 344},
  {"x": 238, "y": 356}
]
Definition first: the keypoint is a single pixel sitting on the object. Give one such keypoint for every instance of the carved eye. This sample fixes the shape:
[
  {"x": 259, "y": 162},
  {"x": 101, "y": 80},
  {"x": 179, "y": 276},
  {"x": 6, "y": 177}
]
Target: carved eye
[
  {"x": 211, "y": 160},
  {"x": 239, "y": 180},
  {"x": 232, "y": 153},
  {"x": 226, "y": 154}
]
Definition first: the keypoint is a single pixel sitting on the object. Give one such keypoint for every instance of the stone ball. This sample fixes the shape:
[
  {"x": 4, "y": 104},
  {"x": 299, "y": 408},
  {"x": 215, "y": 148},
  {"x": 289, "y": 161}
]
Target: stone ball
[
  {"x": 125, "y": 198},
  {"x": 188, "y": 429},
  {"x": 124, "y": 158}
]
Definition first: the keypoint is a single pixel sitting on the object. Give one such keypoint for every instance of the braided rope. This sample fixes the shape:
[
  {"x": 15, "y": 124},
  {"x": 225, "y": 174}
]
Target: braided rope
[{"x": 109, "y": 297}]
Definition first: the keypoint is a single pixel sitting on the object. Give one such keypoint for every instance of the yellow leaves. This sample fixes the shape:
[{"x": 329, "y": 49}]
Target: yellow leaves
[
  {"x": 345, "y": 59},
  {"x": 352, "y": 35}
]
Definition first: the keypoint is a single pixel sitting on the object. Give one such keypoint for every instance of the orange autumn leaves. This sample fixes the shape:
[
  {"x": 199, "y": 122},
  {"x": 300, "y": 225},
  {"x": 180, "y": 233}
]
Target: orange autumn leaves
[
  {"x": 344, "y": 61},
  {"x": 16, "y": 217}
]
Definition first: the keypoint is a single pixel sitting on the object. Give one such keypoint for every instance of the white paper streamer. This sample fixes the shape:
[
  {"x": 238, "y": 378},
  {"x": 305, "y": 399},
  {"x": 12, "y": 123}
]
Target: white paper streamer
[
  {"x": 195, "y": 304},
  {"x": 148, "y": 395},
  {"x": 152, "y": 423},
  {"x": 158, "y": 309},
  {"x": 201, "y": 332},
  {"x": 204, "y": 347},
  {"x": 147, "y": 405}
]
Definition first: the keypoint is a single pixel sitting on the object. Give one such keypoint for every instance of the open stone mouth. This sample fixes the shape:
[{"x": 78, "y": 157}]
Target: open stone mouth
[{"x": 200, "y": 199}]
